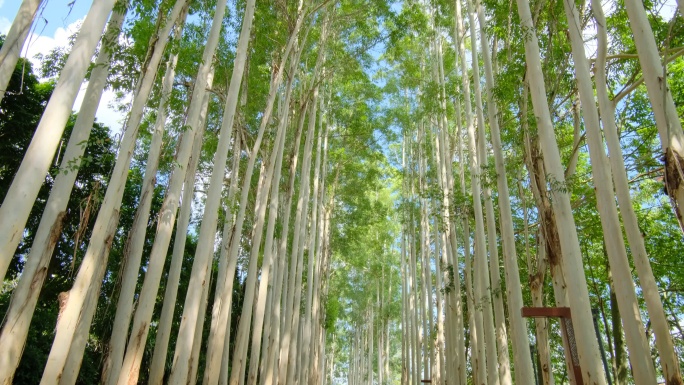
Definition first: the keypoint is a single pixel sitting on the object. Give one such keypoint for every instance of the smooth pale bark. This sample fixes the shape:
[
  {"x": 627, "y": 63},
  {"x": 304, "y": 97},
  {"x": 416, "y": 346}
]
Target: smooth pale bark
[
  {"x": 167, "y": 214},
  {"x": 371, "y": 340},
  {"x": 445, "y": 326},
  {"x": 225, "y": 265},
  {"x": 158, "y": 363},
  {"x": 521, "y": 359},
  {"x": 269, "y": 249},
  {"x": 475, "y": 323},
  {"x": 75, "y": 357},
  {"x": 587, "y": 346},
  {"x": 272, "y": 177},
  {"x": 541, "y": 324},
  {"x": 454, "y": 317},
  {"x": 305, "y": 344},
  {"x": 280, "y": 300},
  {"x": 30, "y": 176},
  {"x": 457, "y": 306},
  {"x": 289, "y": 339},
  {"x": 197, "y": 340},
  {"x": 425, "y": 292},
  {"x": 262, "y": 193},
  {"x": 136, "y": 237},
  {"x": 199, "y": 279},
  {"x": 503, "y": 364},
  {"x": 312, "y": 260},
  {"x": 215, "y": 349},
  {"x": 107, "y": 218},
  {"x": 405, "y": 339},
  {"x": 481, "y": 265},
  {"x": 25, "y": 296},
  {"x": 642, "y": 365},
  {"x": 665, "y": 112},
  {"x": 440, "y": 252},
  {"x": 14, "y": 41},
  {"x": 319, "y": 349},
  {"x": 668, "y": 358}
]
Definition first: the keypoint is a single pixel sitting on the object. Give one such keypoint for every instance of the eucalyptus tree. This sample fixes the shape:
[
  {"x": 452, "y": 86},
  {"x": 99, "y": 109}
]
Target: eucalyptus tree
[
  {"x": 25, "y": 296},
  {"x": 269, "y": 373},
  {"x": 522, "y": 362},
  {"x": 476, "y": 322},
  {"x": 92, "y": 268},
  {"x": 184, "y": 345},
  {"x": 18, "y": 201},
  {"x": 642, "y": 365},
  {"x": 263, "y": 313},
  {"x": 572, "y": 261},
  {"x": 647, "y": 281},
  {"x": 130, "y": 365},
  {"x": 220, "y": 318},
  {"x": 15, "y": 40},
  {"x": 667, "y": 119},
  {"x": 136, "y": 238}
]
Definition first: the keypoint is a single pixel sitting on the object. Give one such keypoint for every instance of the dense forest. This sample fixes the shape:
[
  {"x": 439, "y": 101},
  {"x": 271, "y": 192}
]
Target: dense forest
[{"x": 344, "y": 192}]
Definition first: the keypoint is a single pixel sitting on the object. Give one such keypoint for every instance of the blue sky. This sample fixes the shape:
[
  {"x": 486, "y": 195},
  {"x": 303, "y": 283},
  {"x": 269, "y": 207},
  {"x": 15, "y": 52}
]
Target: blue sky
[
  {"x": 57, "y": 20},
  {"x": 56, "y": 14}
]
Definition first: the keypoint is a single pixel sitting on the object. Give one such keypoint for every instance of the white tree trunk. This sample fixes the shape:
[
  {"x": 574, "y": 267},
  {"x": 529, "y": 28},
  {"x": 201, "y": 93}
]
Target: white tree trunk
[
  {"x": 270, "y": 371},
  {"x": 668, "y": 358},
  {"x": 240, "y": 354},
  {"x": 665, "y": 112},
  {"x": 158, "y": 363},
  {"x": 107, "y": 219},
  {"x": 522, "y": 361},
  {"x": 587, "y": 346},
  {"x": 199, "y": 328},
  {"x": 222, "y": 316},
  {"x": 25, "y": 295},
  {"x": 642, "y": 365},
  {"x": 269, "y": 249},
  {"x": 312, "y": 261},
  {"x": 167, "y": 215},
  {"x": 136, "y": 238},
  {"x": 14, "y": 41},
  {"x": 289, "y": 338},
  {"x": 30, "y": 176}
]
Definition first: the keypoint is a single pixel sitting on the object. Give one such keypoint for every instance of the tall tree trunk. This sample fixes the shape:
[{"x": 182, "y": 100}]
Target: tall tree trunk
[
  {"x": 199, "y": 328},
  {"x": 642, "y": 365},
  {"x": 475, "y": 324},
  {"x": 280, "y": 299},
  {"x": 240, "y": 355},
  {"x": 30, "y": 176},
  {"x": 269, "y": 249},
  {"x": 287, "y": 370},
  {"x": 478, "y": 157},
  {"x": 25, "y": 296},
  {"x": 158, "y": 363},
  {"x": 105, "y": 226},
  {"x": 587, "y": 345},
  {"x": 220, "y": 318},
  {"x": 541, "y": 324},
  {"x": 148, "y": 294},
  {"x": 665, "y": 112},
  {"x": 521, "y": 359},
  {"x": 136, "y": 236},
  {"x": 14, "y": 41},
  {"x": 664, "y": 343},
  {"x": 621, "y": 367}
]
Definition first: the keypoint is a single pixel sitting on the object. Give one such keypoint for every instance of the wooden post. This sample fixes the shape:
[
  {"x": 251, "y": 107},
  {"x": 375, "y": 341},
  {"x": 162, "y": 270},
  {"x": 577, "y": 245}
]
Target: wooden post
[{"x": 568, "y": 333}]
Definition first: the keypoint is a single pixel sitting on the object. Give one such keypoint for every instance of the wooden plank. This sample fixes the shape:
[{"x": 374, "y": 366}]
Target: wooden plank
[{"x": 546, "y": 312}]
